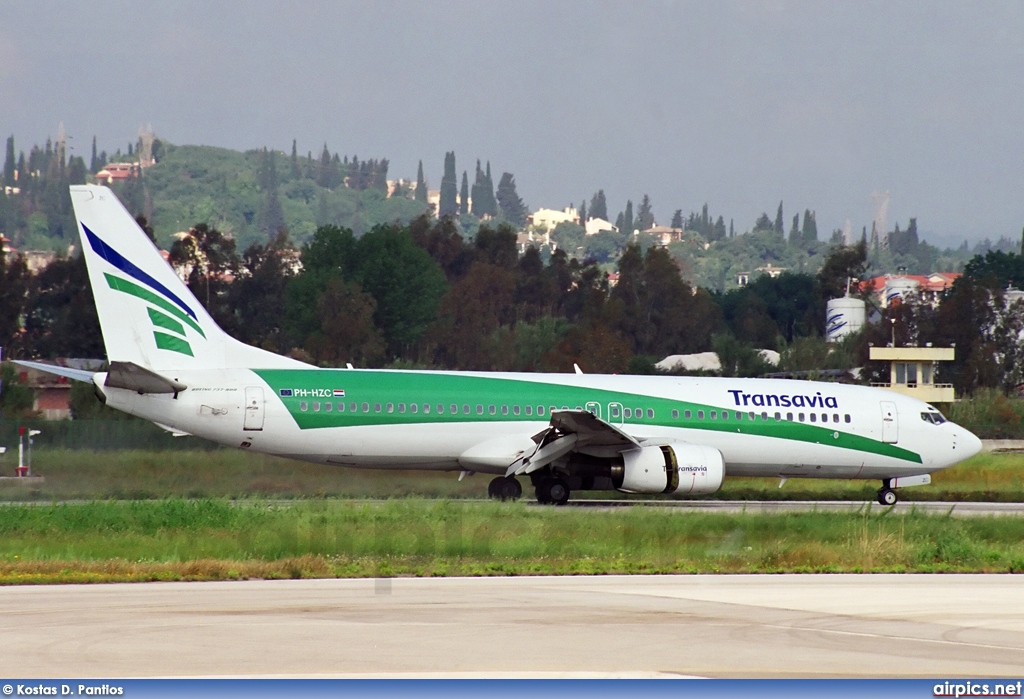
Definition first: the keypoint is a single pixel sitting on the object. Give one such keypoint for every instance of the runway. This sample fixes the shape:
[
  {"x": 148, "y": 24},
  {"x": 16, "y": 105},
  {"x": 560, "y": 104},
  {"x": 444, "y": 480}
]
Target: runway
[
  {"x": 708, "y": 626},
  {"x": 953, "y": 509}
]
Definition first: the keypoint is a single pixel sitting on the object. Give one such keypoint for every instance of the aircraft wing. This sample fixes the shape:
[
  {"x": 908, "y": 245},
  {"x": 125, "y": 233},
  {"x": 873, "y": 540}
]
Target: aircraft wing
[{"x": 571, "y": 430}]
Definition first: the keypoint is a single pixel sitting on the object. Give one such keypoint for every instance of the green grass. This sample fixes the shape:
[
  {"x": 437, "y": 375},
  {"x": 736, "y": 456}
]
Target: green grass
[
  {"x": 225, "y": 473},
  {"x": 214, "y": 539}
]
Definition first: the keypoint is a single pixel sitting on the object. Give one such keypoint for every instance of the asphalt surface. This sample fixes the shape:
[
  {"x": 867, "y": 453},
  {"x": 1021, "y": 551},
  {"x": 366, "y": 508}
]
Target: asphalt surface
[
  {"x": 708, "y": 626},
  {"x": 955, "y": 509}
]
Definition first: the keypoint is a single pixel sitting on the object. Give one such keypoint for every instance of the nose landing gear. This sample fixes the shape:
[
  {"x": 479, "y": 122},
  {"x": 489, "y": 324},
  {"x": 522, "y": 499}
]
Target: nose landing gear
[{"x": 886, "y": 495}]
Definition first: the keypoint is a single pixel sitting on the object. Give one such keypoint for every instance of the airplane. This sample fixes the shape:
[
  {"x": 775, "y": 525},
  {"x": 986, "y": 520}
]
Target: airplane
[{"x": 171, "y": 364}]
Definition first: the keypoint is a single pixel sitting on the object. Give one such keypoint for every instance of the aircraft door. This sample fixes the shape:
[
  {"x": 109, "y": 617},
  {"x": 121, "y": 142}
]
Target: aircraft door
[
  {"x": 595, "y": 407},
  {"x": 253, "y": 408},
  {"x": 890, "y": 423},
  {"x": 615, "y": 413}
]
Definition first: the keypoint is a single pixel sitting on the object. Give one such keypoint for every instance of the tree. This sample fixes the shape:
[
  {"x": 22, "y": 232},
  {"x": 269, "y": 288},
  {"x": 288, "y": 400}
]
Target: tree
[
  {"x": 583, "y": 213},
  {"x": 627, "y": 217},
  {"x": 94, "y": 162},
  {"x": 448, "y": 204},
  {"x": 271, "y": 216},
  {"x": 260, "y": 294},
  {"x": 347, "y": 332},
  {"x": 763, "y": 223},
  {"x": 484, "y": 203},
  {"x": 644, "y": 216},
  {"x": 599, "y": 206},
  {"x": 421, "y": 186},
  {"x": 677, "y": 219},
  {"x": 14, "y": 279},
  {"x": 842, "y": 264},
  {"x": 60, "y": 316},
  {"x": 405, "y": 282},
  {"x": 996, "y": 270},
  {"x": 512, "y": 207},
  {"x": 778, "y": 221},
  {"x": 795, "y": 237},
  {"x": 809, "y": 234},
  {"x": 464, "y": 195},
  {"x": 9, "y": 162},
  {"x": 209, "y": 261}
]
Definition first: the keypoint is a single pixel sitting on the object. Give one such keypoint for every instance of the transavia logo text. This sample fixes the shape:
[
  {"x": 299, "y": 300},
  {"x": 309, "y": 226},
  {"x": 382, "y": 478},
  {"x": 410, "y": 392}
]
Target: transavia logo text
[{"x": 783, "y": 401}]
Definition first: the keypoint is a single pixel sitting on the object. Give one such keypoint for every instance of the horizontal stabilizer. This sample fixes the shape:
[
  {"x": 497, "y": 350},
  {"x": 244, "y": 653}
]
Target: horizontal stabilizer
[
  {"x": 74, "y": 374},
  {"x": 141, "y": 380}
]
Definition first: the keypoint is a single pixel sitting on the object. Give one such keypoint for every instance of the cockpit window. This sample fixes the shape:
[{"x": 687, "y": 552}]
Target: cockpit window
[{"x": 935, "y": 418}]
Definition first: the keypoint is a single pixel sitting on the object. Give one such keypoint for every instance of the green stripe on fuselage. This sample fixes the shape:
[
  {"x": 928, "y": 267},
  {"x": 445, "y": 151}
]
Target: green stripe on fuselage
[
  {"x": 123, "y": 285},
  {"x": 386, "y": 387}
]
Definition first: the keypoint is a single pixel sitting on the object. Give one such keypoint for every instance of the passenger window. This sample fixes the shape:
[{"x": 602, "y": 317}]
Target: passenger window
[
  {"x": 492, "y": 410},
  {"x": 328, "y": 407},
  {"x": 391, "y": 407},
  {"x": 714, "y": 414},
  {"x": 341, "y": 408},
  {"x": 303, "y": 406},
  {"x": 440, "y": 409},
  {"x": 639, "y": 412},
  {"x": 752, "y": 417},
  {"x": 465, "y": 408},
  {"x": 414, "y": 408},
  {"x": 401, "y": 407},
  {"x": 504, "y": 410},
  {"x": 529, "y": 410},
  {"x": 540, "y": 409},
  {"x": 778, "y": 417},
  {"x": 687, "y": 414},
  {"x": 725, "y": 414},
  {"x": 376, "y": 407},
  {"x": 700, "y": 414},
  {"x": 814, "y": 417},
  {"x": 675, "y": 414},
  {"x": 789, "y": 416},
  {"x": 426, "y": 408},
  {"x": 316, "y": 407},
  {"x": 453, "y": 409},
  {"x": 615, "y": 411},
  {"x": 739, "y": 415},
  {"x": 835, "y": 417},
  {"x": 515, "y": 409},
  {"x": 479, "y": 409},
  {"x": 801, "y": 417},
  {"x": 650, "y": 413},
  {"x": 847, "y": 418},
  {"x": 366, "y": 407}
]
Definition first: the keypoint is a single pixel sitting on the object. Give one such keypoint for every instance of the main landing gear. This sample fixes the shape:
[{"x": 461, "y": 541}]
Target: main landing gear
[
  {"x": 886, "y": 495},
  {"x": 504, "y": 488},
  {"x": 552, "y": 490}
]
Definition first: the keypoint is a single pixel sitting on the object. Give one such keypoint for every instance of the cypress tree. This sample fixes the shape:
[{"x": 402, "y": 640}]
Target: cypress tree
[
  {"x": 645, "y": 217},
  {"x": 778, "y": 220},
  {"x": 794, "y": 232},
  {"x": 512, "y": 207},
  {"x": 677, "y": 219},
  {"x": 94, "y": 162},
  {"x": 9, "y": 161},
  {"x": 421, "y": 186},
  {"x": 599, "y": 206},
  {"x": 448, "y": 204},
  {"x": 583, "y": 212},
  {"x": 810, "y": 229},
  {"x": 464, "y": 195},
  {"x": 627, "y": 217}
]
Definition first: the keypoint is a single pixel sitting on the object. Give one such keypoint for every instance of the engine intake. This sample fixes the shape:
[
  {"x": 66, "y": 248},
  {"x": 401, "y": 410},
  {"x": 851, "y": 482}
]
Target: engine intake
[{"x": 671, "y": 469}]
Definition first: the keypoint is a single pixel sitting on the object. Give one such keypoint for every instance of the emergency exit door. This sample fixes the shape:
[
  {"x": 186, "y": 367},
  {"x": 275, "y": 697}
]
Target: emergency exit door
[{"x": 253, "y": 408}]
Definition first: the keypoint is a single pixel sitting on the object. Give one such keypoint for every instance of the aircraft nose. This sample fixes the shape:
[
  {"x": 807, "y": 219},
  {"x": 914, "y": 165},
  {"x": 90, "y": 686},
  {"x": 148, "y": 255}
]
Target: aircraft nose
[{"x": 967, "y": 443}]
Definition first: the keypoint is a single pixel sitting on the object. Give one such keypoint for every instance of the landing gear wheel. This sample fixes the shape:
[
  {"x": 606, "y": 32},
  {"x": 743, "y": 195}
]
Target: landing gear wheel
[
  {"x": 502, "y": 488},
  {"x": 887, "y": 497},
  {"x": 552, "y": 491}
]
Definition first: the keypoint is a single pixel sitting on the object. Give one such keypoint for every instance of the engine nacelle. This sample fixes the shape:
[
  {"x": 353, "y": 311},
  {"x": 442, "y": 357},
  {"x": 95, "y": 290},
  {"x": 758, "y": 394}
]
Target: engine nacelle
[{"x": 673, "y": 468}]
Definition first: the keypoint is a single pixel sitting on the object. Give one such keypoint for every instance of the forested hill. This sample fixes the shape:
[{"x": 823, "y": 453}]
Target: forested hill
[{"x": 251, "y": 195}]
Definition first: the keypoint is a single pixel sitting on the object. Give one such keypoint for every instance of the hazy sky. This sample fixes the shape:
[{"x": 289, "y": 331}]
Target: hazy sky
[{"x": 737, "y": 104}]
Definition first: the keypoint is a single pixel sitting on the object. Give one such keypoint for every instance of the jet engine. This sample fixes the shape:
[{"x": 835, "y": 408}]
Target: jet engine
[{"x": 672, "y": 469}]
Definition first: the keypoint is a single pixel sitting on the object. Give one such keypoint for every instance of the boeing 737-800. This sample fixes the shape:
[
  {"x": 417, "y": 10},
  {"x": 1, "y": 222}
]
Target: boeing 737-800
[{"x": 170, "y": 363}]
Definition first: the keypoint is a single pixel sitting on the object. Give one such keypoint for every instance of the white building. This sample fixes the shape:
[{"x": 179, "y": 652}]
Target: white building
[
  {"x": 598, "y": 225},
  {"x": 549, "y": 218}
]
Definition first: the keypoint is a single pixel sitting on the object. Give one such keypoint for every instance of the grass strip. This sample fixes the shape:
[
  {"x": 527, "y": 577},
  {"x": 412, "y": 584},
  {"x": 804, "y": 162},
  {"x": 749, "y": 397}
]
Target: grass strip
[{"x": 217, "y": 540}]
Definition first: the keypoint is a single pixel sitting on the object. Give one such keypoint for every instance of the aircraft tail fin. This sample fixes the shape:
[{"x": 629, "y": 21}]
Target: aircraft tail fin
[{"x": 147, "y": 314}]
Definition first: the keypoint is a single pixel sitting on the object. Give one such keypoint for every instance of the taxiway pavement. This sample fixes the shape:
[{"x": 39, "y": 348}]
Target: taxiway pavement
[{"x": 712, "y": 626}]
